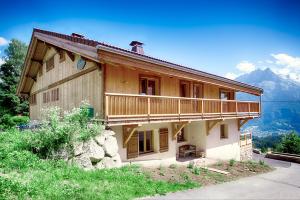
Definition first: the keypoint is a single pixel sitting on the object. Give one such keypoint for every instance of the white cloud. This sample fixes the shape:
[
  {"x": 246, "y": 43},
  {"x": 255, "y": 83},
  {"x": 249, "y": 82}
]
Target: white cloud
[
  {"x": 3, "y": 41},
  {"x": 286, "y": 60},
  {"x": 231, "y": 75},
  {"x": 245, "y": 67}
]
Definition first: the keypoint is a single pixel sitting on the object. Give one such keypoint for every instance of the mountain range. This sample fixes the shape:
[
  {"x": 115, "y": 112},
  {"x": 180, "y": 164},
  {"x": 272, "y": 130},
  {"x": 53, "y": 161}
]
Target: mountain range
[{"x": 280, "y": 103}]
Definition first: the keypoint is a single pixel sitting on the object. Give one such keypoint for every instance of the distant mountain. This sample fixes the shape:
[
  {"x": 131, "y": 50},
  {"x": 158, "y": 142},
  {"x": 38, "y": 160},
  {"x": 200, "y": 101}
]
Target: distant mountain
[{"x": 281, "y": 102}]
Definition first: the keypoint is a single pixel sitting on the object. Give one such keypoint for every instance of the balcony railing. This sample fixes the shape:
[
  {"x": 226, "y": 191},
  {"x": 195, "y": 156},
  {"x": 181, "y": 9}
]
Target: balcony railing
[
  {"x": 140, "y": 108},
  {"x": 245, "y": 139}
]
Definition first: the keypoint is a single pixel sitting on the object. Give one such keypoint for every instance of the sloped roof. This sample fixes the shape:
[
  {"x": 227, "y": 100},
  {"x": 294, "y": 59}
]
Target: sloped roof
[{"x": 125, "y": 52}]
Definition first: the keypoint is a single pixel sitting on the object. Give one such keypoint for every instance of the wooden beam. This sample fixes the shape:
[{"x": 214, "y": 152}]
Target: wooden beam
[
  {"x": 210, "y": 125},
  {"x": 177, "y": 127},
  {"x": 32, "y": 78},
  {"x": 130, "y": 130},
  {"x": 241, "y": 122},
  {"x": 40, "y": 62},
  {"x": 71, "y": 55}
]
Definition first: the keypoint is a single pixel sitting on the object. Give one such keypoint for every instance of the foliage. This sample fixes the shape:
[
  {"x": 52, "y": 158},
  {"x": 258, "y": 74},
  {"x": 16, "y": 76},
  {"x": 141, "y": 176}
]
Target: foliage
[
  {"x": 231, "y": 162},
  {"x": 25, "y": 176},
  {"x": 7, "y": 121},
  {"x": 261, "y": 162},
  {"x": 10, "y": 73},
  {"x": 190, "y": 165},
  {"x": 57, "y": 132},
  {"x": 196, "y": 170},
  {"x": 290, "y": 143},
  {"x": 264, "y": 143}
]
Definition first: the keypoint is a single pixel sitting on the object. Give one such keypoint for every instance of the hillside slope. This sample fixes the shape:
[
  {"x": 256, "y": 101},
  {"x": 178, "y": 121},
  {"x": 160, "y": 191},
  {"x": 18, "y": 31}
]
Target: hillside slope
[{"x": 280, "y": 102}]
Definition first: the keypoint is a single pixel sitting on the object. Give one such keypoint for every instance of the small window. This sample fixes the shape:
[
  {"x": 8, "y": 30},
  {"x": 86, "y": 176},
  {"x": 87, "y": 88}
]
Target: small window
[
  {"x": 46, "y": 97},
  {"x": 149, "y": 85},
  {"x": 223, "y": 131},
  {"x": 32, "y": 99},
  {"x": 226, "y": 95},
  {"x": 50, "y": 64},
  {"x": 55, "y": 94}
]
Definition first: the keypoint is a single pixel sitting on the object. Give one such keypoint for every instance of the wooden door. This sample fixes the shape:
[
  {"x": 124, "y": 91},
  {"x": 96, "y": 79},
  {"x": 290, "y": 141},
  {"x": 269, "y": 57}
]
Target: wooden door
[
  {"x": 197, "y": 93},
  {"x": 163, "y": 140},
  {"x": 132, "y": 146}
]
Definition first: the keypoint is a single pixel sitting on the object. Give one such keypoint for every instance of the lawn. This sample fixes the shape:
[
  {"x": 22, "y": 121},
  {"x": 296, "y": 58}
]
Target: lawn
[{"x": 24, "y": 175}]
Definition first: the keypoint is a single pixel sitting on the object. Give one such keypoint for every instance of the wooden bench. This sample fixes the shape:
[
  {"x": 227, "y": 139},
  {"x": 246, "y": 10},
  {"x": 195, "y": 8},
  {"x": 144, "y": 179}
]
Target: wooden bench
[{"x": 187, "y": 149}]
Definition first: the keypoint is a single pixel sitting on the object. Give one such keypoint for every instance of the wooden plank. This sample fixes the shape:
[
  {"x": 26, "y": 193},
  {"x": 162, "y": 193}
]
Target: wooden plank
[{"x": 177, "y": 129}]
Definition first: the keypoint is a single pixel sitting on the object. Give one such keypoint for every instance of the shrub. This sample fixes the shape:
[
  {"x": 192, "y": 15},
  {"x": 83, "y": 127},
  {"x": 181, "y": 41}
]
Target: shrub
[
  {"x": 58, "y": 131},
  {"x": 196, "y": 170},
  {"x": 262, "y": 162},
  {"x": 290, "y": 143},
  {"x": 190, "y": 165},
  {"x": 231, "y": 162}
]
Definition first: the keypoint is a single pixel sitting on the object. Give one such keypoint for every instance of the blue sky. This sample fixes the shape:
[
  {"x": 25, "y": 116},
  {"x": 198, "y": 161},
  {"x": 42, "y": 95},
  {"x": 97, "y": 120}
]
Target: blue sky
[{"x": 222, "y": 37}]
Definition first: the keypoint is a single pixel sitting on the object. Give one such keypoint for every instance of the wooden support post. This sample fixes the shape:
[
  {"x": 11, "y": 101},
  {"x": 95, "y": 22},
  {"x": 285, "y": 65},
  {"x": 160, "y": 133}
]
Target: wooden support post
[
  {"x": 128, "y": 130},
  {"x": 249, "y": 108},
  {"x": 210, "y": 125},
  {"x": 241, "y": 122},
  {"x": 148, "y": 106},
  {"x": 236, "y": 108},
  {"x": 202, "y": 109},
  {"x": 221, "y": 107},
  {"x": 177, "y": 127}
]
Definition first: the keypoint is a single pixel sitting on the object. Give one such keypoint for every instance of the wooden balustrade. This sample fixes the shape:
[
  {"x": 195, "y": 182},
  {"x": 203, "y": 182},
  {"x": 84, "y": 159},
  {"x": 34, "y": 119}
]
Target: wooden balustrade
[{"x": 147, "y": 107}]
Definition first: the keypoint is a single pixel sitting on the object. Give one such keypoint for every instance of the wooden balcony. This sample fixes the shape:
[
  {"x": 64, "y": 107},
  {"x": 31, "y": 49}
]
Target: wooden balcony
[{"x": 131, "y": 109}]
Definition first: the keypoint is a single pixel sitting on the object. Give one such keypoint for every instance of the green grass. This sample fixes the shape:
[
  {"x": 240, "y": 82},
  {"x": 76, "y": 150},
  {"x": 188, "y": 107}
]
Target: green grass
[{"x": 23, "y": 175}]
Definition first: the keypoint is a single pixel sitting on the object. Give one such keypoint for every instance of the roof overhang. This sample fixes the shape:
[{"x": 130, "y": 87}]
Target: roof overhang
[{"x": 40, "y": 41}]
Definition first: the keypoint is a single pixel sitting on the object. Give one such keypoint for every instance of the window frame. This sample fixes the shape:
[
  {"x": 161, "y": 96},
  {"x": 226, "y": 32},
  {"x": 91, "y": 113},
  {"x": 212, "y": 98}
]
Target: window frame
[
  {"x": 225, "y": 129},
  {"x": 50, "y": 63},
  {"x": 154, "y": 78},
  {"x": 145, "y": 142}
]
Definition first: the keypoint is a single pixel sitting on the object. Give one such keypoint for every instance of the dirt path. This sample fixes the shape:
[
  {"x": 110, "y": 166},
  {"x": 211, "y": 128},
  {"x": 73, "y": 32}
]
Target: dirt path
[{"x": 283, "y": 183}]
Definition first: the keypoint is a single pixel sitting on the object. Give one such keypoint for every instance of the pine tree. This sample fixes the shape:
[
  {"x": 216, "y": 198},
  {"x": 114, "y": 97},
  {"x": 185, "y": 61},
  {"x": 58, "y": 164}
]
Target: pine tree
[{"x": 10, "y": 71}]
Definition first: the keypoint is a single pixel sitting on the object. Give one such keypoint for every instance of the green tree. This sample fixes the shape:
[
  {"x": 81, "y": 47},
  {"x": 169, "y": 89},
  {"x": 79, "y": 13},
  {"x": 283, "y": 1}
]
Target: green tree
[
  {"x": 10, "y": 71},
  {"x": 290, "y": 143}
]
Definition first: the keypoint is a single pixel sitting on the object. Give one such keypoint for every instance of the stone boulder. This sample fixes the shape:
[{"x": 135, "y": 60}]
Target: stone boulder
[
  {"x": 93, "y": 151},
  {"x": 111, "y": 146},
  {"x": 84, "y": 162},
  {"x": 78, "y": 148}
]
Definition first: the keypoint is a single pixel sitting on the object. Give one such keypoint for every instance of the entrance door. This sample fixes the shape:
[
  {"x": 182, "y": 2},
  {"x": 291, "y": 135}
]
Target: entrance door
[{"x": 197, "y": 93}]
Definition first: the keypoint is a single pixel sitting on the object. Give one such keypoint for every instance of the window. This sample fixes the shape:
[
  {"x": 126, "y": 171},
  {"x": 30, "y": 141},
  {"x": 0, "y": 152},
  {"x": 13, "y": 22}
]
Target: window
[
  {"x": 180, "y": 136},
  {"x": 184, "y": 87},
  {"x": 50, "y": 64},
  {"x": 226, "y": 95},
  {"x": 197, "y": 90},
  {"x": 32, "y": 99},
  {"x": 149, "y": 85},
  {"x": 145, "y": 141},
  {"x": 46, "y": 97},
  {"x": 223, "y": 131},
  {"x": 55, "y": 94}
]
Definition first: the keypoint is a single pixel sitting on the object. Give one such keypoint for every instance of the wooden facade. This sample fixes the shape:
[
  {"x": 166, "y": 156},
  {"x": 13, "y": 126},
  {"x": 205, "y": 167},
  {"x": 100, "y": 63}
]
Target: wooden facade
[{"x": 125, "y": 88}]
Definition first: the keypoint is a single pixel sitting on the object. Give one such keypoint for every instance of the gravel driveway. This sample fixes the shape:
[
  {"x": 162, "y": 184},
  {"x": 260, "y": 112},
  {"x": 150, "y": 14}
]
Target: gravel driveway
[{"x": 283, "y": 183}]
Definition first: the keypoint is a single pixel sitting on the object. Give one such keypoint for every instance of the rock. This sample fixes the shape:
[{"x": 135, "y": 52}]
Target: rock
[
  {"x": 62, "y": 153},
  {"x": 108, "y": 132},
  {"x": 93, "y": 150},
  {"x": 78, "y": 148},
  {"x": 84, "y": 162},
  {"x": 100, "y": 139},
  {"x": 99, "y": 165},
  {"x": 108, "y": 162},
  {"x": 111, "y": 146},
  {"x": 117, "y": 160}
]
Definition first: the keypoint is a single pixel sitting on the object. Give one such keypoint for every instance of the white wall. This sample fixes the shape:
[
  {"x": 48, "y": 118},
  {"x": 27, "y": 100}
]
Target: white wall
[
  {"x": 169, "y": 155},
  {"x": 224, "y": 149},
  {"x": 195, "y": 133}
]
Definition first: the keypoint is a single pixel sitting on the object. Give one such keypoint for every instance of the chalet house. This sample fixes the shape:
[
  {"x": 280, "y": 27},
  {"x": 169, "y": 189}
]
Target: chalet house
[{"x": 159, "y": 110}]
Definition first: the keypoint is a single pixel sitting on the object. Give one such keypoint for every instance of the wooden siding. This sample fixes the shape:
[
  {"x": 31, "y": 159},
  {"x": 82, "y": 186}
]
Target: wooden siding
[
  {"x": 73, "y": 91},
  {"x": 125, "y": 80}
]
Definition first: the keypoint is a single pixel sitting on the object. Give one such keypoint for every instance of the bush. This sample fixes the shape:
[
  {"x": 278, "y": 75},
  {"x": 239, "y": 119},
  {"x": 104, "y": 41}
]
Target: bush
[
  {"x": 196, "y": 170},
  {"x": 231, "y": 162},
  {"x": 58, "y": 131},
  {"x": 190, "y": 165},
  {"x": 290, "y": 143},
  {"x": 173, "y": 166}
]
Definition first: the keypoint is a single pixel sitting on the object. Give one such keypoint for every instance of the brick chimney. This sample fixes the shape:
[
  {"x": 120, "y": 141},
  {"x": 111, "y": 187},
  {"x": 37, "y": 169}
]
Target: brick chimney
[
  {"x": 137, "y": 47},
  {"x": 77, "y": 35}
]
